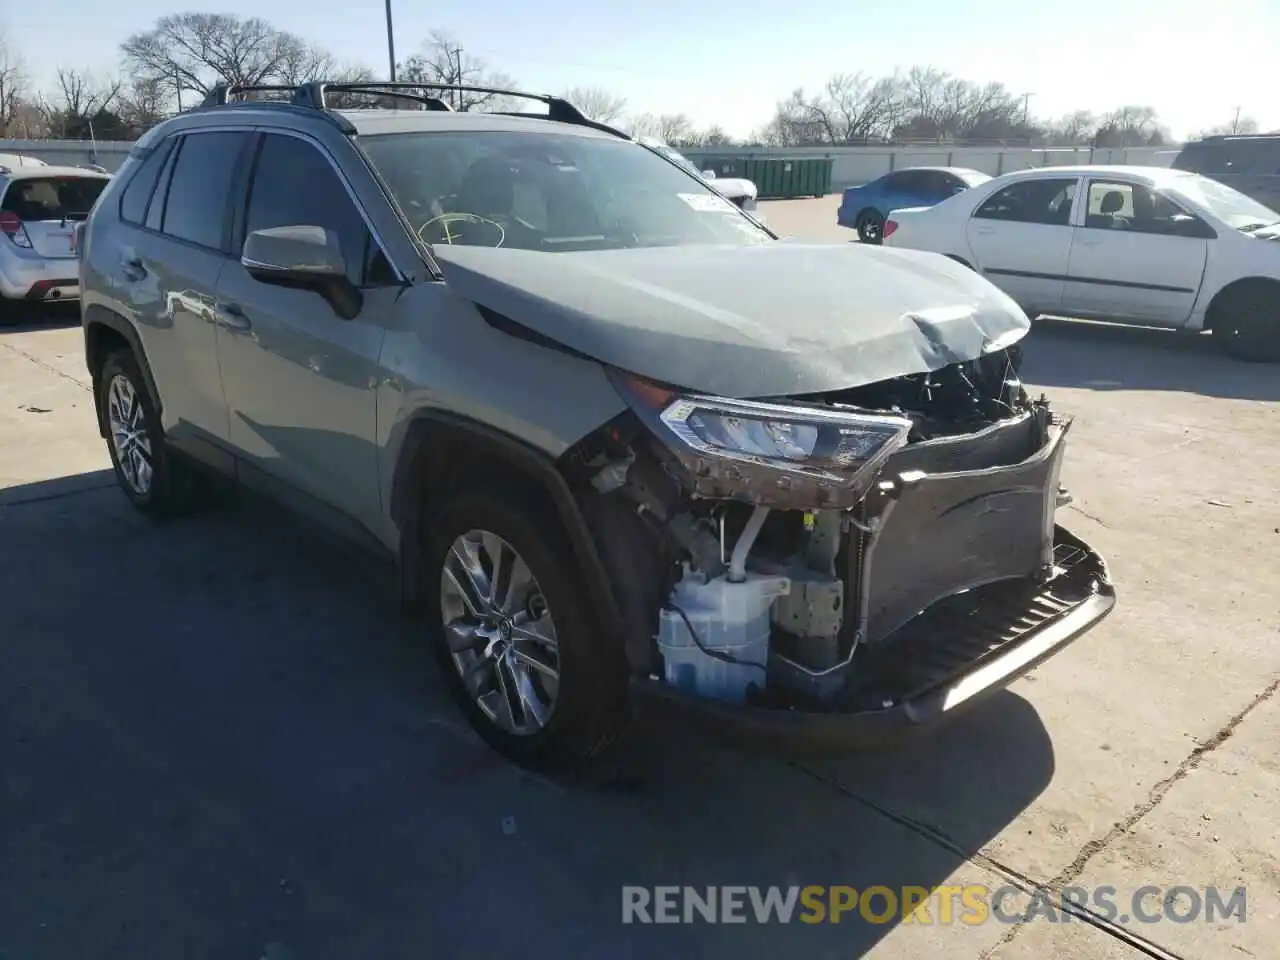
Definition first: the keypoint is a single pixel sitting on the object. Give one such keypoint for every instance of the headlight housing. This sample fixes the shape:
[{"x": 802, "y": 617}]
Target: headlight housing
[{"x": 765, "y": 450}]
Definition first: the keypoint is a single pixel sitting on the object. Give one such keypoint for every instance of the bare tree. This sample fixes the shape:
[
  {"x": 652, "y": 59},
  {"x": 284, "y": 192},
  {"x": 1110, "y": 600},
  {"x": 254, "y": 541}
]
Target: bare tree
[
  {"x": 642, "y": 125},
  {"x": 13, "y": 82},
  {"x": 1238, "y": 125},
  {"x": 674, "y": 128},
  {"x": 189, "y": 53},
  {"x": 142, "y": 104},
  {"x": 713, "y": 136},
  {"x": 1075, "y": 129},
  {"x": 443, "y": 61},
  {"x": 596, "y": 103}
]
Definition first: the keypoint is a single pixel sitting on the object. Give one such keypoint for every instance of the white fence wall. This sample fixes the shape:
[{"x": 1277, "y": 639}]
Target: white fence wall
[
  {"x": 853, "y": 165},
  {"x": 72, "y": 153}
]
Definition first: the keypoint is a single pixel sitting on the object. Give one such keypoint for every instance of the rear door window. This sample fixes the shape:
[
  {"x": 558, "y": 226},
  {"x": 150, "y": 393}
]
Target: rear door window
[
  {"x": 1046, "y": 201},
  {"x": 199, "y": 192},
  {"x": 62, "y": 197}
]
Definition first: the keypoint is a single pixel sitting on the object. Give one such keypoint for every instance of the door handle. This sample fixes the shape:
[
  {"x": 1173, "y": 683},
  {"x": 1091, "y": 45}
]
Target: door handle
[
  {"x": 133, "y": 269},
  {"x": 231, "y": 315},
  {"x": 985, "y": 231},
  {"x": 1087, "y": 243}
]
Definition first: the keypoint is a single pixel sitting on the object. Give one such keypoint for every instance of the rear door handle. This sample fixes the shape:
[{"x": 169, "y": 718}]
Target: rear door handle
[{"x": 231, "y": 315}]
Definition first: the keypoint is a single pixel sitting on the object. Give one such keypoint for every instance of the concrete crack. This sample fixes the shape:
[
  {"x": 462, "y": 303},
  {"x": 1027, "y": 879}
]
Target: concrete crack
[{"x": 48, "y": 366}]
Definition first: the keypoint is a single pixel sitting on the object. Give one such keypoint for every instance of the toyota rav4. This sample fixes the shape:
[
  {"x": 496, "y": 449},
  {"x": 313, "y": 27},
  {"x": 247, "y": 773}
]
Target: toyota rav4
[{"x": 626, "y": 446}]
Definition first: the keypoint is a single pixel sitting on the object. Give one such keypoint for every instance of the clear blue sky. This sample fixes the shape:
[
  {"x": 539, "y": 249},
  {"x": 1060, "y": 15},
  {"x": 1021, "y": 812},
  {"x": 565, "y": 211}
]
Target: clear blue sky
[{"x": 1196, "y": 61}]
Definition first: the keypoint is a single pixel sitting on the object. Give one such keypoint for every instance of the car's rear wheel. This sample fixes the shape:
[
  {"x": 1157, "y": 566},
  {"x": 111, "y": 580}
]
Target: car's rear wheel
[
  {"x": 516, "y": 635},
  {"x": 870, "y": 226},
  {"x": 1248, "y": 324},
  {"x": 152, "y": 478}
]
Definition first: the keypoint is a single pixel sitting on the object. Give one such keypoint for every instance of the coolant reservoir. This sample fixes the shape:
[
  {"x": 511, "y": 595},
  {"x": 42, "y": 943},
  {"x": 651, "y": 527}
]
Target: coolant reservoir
[{"x": 731, "y": 620}]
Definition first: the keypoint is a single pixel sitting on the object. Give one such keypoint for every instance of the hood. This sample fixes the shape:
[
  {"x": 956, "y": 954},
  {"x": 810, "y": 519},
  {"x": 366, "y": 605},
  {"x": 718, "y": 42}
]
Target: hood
[{"x": 759, "y": 321}]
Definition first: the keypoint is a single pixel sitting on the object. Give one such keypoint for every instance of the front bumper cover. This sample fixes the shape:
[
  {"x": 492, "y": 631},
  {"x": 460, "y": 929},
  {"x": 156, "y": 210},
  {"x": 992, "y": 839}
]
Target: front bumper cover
[{"x": 947, "y": 658}]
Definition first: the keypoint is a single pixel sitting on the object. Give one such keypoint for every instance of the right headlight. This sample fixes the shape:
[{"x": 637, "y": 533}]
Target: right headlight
[{"x": 798, "y": 445}]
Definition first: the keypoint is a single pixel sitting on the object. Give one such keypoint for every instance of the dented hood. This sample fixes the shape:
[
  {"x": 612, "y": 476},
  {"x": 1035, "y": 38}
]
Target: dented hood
[{"x": 762, "y": 321}]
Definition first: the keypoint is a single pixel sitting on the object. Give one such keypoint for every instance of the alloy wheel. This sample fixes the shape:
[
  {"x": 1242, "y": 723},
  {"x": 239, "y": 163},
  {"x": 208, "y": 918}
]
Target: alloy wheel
[
  {"x": 129, "y": 437},
  {"x": 500, "y": 632}
]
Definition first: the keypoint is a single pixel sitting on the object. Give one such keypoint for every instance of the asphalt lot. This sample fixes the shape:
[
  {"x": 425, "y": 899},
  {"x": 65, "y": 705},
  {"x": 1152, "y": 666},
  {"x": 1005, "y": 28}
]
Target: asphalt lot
[{"x": 217, "y": 739}]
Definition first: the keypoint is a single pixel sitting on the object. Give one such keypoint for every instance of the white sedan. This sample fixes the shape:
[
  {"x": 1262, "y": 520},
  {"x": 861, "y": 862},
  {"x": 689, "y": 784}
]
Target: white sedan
[{"x": 1130, "y": 244}]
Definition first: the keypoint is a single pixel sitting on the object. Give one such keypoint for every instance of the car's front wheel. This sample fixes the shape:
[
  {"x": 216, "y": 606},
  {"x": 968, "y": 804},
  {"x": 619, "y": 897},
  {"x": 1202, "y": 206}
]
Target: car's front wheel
[
  {"x": 870, "y": 226},
  {"x": 146, "y": 470},
  {"x": 516, "y": 634},
  {"x": 1248, "y": 324}
]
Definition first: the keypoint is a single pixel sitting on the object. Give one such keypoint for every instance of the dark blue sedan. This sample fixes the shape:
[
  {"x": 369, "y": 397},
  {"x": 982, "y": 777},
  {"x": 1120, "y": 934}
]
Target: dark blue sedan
[{"x": 865, "y": 208}]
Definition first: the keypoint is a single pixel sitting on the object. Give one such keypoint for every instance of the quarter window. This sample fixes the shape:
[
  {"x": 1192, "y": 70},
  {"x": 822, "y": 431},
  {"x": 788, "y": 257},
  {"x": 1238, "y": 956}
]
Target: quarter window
[
  {"x": 1045, "y": 201},
  {"x": 133, "y": 204},
  {"x": 294, "y": 185},
  {"x": 196, "y": 206}
]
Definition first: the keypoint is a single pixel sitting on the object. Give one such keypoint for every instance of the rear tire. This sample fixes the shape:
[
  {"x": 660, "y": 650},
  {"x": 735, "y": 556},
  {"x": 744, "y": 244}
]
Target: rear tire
[
  {"x": 1247, "y": 326},
  {"x": 572, "y": 703},
  {"x": 870, "y": 226},
  {"x": 155, "y": 480}
]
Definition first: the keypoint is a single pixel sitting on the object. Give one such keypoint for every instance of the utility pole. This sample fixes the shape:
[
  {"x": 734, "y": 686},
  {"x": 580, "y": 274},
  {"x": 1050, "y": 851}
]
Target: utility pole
[
  {"x": 1235, "y": 124},
  {"x": 455, "y": 68},
  {"x": 1026, "y": 109},
  {"x": 391, "y": 45}
]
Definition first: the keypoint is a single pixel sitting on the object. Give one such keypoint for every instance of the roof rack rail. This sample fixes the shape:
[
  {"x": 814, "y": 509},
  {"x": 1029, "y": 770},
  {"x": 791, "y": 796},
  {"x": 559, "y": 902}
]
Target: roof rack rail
[
  {"x": 315, "y": 94},
  {"x": 221, "y": 94}
]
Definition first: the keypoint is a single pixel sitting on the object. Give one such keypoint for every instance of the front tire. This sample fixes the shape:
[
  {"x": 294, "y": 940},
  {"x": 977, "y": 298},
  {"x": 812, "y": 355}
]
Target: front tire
[
  {"x": 516, "y": 635},
  {"x": 1248, "y": 324},
  {"x": 870, "y": 227},
  {"x": 148, "y": 473}
]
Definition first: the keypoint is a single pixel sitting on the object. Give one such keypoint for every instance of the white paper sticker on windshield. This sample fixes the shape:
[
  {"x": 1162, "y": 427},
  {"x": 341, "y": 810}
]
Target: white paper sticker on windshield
[{"x": 706, "y": 202}]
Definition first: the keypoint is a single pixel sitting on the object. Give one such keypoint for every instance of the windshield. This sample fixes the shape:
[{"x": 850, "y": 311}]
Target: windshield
[
  {"x": 53, "y": 198},
  {"x": 551, "y": 192},
  {"x": 1230, "y": 206}
]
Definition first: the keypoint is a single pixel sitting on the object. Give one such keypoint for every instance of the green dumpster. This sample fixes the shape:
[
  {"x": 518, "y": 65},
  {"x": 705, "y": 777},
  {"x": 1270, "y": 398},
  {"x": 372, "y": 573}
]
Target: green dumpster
[
  {"x": 785, "y": 178},
  {"x": 776, "y": 178}
]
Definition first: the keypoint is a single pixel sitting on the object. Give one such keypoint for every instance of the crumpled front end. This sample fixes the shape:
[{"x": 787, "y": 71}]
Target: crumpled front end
[{"x": 840, "y": 565}]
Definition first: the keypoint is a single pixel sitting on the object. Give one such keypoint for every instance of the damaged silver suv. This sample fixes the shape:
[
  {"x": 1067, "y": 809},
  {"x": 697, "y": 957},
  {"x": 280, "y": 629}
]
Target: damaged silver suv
[{"x": 626, "y": 447}]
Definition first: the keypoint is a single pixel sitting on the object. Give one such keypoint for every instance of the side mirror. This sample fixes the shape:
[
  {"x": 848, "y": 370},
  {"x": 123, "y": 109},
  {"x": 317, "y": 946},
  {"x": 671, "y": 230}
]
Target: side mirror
[
  {"x": 1185, "y": 225},
  {"x": 305, "y": 257},
  {"x": 708, "y": 174}
]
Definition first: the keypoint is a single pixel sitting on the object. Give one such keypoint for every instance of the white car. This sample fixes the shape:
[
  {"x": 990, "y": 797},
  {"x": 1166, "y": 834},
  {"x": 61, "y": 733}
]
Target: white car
[
  {"x": 735, "y": 189},
  {"x": 1130, "y": 244},
  {"x": 40, "y": 208}
]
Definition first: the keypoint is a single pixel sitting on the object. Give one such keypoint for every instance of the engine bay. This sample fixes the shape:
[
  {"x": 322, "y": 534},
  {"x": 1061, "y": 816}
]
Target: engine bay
[{"x": 743, "y": 593}]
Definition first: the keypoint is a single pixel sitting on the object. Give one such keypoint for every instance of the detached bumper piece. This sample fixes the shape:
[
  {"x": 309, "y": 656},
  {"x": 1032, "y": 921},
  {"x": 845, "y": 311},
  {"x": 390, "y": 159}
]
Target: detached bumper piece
[{"x": 961, "y": 648}]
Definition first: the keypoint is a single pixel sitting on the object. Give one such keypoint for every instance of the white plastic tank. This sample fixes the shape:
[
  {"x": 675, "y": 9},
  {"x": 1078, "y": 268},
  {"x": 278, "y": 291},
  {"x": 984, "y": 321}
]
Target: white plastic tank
[{"x": 732, "y": 620}]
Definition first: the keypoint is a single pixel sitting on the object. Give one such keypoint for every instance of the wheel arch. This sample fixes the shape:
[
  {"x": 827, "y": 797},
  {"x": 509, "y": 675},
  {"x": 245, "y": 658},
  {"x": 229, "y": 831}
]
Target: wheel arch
[
  {"x": 104, "y": 332},
  {"x": 443, "y": 453},
  {"x": 958, "y": 259},
  {"x": 1223, "y": 297}
]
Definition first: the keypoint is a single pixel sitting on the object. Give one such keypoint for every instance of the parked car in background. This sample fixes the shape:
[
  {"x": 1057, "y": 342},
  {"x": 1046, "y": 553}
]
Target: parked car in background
[
  {"x": 15, "y": 160},
  {"x": 740, "y": 191},
  {"x": 40, "y": 208},
  {"x": 1250, "y": 164},
  {"x": 865, "y": 208},
  {"x": 550, "y": 418},
  {"x": 1131, "y": 244}
]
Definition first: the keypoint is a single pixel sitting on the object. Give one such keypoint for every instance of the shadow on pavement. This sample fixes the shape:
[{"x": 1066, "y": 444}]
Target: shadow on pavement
[
  {"x": 1099, "y": 356},
  {"x": 218, "y": 735},
  {"x": 23, "y": 318}
]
